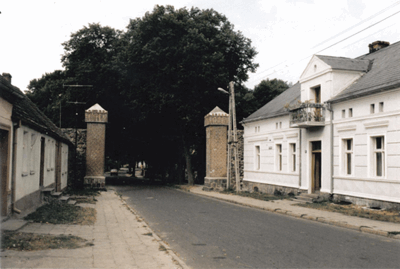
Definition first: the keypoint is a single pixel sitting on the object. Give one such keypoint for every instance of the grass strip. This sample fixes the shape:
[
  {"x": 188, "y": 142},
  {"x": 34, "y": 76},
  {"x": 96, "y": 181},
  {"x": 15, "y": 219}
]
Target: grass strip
[
  {"x": 31, "y": 242},
  {"x": 63, "y": 213}
]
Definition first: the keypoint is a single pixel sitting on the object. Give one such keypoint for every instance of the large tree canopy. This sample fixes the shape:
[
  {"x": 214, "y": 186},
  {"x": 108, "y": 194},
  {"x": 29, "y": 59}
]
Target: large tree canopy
[
  {"x": 158, "y": 80},
  {"x": 176, "y": 60}
]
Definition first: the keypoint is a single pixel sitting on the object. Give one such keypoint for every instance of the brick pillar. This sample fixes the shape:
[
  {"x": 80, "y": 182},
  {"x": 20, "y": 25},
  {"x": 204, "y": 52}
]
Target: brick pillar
[
  {"x": 96, "y": 118},
  {"x": 216, "y": 123}
]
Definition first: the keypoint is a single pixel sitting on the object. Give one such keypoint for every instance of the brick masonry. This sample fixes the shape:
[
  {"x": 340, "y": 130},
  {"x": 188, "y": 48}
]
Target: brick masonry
[
  {"x": 80, "y": 154},
  {"x": 96, "y": 118},
  {"x": 216, "y": 123}
]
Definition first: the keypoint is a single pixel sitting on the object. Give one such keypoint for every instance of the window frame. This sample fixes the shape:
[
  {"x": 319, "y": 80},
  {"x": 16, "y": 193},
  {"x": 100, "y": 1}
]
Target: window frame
[
  {"x": 372, "y": 160},
  {"x": 257, "y": 157},
  {"x": 292, "y": 157},
  {"x": 345, "y": 153},
  {"x": 279, "y": 157}
]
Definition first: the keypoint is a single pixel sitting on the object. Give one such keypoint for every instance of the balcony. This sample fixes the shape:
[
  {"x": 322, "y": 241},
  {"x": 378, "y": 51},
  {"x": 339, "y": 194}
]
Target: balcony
[{"x": 307, "y": 115}]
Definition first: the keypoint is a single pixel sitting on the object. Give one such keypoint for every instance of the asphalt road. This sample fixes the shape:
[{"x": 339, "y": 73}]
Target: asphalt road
[{"x": 208, "y": 233}]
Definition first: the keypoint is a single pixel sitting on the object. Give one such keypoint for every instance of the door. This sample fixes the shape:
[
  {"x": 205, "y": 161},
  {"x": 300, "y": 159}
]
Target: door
[
  {"x": 316, "y": 165},
  {"x": 4, "y": 168},
  {"x": 58, "y": 166},
  {"x": 42, "y": 151}
]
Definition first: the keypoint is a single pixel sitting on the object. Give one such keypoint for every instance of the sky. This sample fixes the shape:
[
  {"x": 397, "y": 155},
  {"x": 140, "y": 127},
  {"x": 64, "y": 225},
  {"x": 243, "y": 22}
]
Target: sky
[{"x": 285, "y": 33}]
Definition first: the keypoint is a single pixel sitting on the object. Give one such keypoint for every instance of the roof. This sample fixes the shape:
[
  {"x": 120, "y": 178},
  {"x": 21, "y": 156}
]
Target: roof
[
  {"x": 342, "y": 63},
  {"x": 96, "y": 107},
  {"x": 26, "y": 111},
  {"x": 276, "y": 107},
  {"x": 217, "y": 112},
  {"x": 384, "y": 74}
]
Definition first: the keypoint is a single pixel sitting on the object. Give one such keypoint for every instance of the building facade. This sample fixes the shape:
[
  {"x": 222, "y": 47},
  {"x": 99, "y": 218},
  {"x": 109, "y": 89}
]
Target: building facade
[
  {"x": 34, "y": 152},
  {"x": 335, "y": 132}
]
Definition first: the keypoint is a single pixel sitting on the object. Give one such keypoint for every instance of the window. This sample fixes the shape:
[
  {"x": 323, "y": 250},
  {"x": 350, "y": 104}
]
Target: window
[
  {"x": 372, "y": 108},
  {"x": 258, "y": 128},
  {"x": 381, "y": 107},
  {"x": 255, "y": 129},
  {"x": 25, "y": 154},
  {"x": 378, "y": 156},
  {"x": 348, "y": 156},
  {"x": 280, "y": 125},
  {"x": 276, "y": 125},
  {"x": 343, "y": 113},
  {"x": 258, "y": 158},
  {"x": 350, "y": 112},
  {"x": 317, "y": 94},
  {"x": 279, "y": 157},
  {"x": 32, "y": 154},
  {"x": 292, "y": 157}
]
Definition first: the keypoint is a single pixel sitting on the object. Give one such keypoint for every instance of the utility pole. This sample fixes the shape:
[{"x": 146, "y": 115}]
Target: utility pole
[
  {"x": 76, "y": 103},
  {"x": 235, "y": 140},
  {"x": 232, "y": 140}
]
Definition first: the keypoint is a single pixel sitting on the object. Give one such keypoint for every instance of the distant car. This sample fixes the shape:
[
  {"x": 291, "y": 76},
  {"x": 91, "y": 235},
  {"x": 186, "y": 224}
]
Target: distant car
[{"x": 114, "y": 172}]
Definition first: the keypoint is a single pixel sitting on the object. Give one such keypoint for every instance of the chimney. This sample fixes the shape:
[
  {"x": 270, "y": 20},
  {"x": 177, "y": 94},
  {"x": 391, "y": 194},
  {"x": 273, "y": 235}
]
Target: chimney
[
  {"x": 377, "y": 45},
  {"x": 7, "y": 76}
]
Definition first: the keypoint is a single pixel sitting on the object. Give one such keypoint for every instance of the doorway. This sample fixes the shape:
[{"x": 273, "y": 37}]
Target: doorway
[
  {"x": 316, "y": 165},
  {"x": 58, "y": 166},
  {"x": 4, "y": 161},
  {"x": 42, "y": 152}
]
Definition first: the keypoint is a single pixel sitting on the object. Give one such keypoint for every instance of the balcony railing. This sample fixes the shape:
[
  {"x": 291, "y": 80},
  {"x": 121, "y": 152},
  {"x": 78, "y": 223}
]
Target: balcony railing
[{"x": 307, "y": 115}]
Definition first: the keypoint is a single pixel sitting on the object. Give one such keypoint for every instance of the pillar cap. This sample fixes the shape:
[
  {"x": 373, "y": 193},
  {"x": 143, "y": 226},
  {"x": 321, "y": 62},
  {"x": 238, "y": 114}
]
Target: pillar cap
[
  {"x": 96, "y": 107},
  {"x": 96, "y": 114},
  {"x": 216, "y": 117}
]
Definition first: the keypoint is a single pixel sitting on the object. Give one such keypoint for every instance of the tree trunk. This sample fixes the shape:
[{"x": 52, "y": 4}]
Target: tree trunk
[{"x": 188, "y": 165}]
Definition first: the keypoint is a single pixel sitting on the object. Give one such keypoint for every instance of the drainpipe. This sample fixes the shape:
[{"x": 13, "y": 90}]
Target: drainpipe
[
  {"x": 329, "y": 108},
  {"x": 300, "y": 158},
  {"x": 17, "y": 125}
]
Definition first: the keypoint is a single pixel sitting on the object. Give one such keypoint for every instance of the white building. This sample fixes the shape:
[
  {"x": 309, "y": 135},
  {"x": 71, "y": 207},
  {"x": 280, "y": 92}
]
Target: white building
[
  {"x": 33, "y": 151},
  {"x": 335, "y": 132}
]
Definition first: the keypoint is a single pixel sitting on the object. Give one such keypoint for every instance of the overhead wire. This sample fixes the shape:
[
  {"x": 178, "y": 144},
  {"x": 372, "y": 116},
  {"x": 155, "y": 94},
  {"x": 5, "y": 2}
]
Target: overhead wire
[{"x": 336, "y": 43}]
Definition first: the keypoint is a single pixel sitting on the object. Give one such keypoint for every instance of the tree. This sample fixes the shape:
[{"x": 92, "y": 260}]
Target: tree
[
  {"x": 263, "y": 93},
  {"x": 175, "y": 60}
]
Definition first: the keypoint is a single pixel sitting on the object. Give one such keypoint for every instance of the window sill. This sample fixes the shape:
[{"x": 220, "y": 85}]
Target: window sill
[
  {"x": 32, "y": 172},
  {"x": 24, "y": 174}
]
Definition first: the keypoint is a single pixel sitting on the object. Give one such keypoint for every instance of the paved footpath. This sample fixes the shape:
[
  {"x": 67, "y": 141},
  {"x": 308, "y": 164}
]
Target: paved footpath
[
  {"x": 288, "y": 207},
  {"x": 119, "y": 238}
]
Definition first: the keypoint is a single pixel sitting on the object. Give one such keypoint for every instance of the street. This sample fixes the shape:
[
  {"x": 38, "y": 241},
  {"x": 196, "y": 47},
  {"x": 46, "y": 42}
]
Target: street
[{"x": 208, "y": 233}]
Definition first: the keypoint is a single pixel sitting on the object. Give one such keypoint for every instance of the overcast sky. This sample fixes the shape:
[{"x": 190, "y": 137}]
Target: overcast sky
[{"x": 285, "y": 33}]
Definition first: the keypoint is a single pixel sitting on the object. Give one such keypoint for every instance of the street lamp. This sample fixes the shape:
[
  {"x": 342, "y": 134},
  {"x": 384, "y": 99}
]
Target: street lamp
[{"x": 232, "y": 141}]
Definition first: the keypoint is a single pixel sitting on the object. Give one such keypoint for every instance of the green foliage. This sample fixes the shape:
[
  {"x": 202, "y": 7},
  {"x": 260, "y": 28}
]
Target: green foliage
[
  {"x": 157, "y": 80},
  {"x": 263, "y": 93},
  {"x": 177, "y": 59}
]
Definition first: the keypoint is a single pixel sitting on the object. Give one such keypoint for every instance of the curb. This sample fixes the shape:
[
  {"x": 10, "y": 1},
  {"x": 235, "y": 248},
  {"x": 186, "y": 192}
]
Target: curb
[
  {"x": 364, "y": 229},
  {"x": 180, "y": 262}
]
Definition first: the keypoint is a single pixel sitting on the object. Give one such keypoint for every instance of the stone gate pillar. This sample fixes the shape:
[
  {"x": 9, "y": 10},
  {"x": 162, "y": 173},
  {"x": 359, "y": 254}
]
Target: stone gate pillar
[
  {"x": 96, "y": 118},
  {"x": 216, "y": 123}
]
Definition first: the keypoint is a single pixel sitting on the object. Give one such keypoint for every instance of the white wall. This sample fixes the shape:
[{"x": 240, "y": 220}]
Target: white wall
[
  {"x": 28, "y": 162},
  {"x": 6, "y": 124},
  {"x": 267, "y": 134},
  {"x": 362, "y": 127}
]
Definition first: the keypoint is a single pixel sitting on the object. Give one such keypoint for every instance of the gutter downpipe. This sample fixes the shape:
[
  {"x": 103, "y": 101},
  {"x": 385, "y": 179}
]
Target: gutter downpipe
[
  {"x": 300, "y": 141},
  {"x": 329, "y": 108},
  {"x": 16, "y": 126}
]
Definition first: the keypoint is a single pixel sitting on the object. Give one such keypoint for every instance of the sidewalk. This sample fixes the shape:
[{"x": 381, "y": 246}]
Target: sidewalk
[
  {"x": 119, "y": 238},
  {"x": 288, "y": 207}
]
